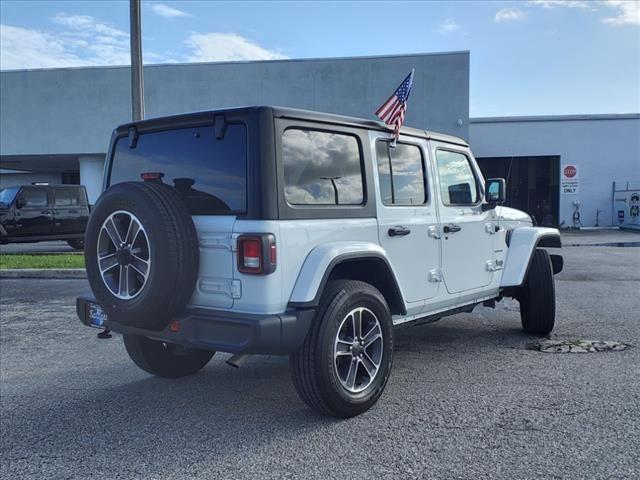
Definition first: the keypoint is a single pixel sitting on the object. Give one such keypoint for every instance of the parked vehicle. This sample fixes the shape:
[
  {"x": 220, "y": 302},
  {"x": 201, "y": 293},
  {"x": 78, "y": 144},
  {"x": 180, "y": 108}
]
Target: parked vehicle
[
  {"x": 271, "y": 230},
  {"x": 35, "y": 213}
]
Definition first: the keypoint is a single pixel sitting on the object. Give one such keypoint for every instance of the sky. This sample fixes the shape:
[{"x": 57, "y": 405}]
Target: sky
[{"x": 539, "y": 57}]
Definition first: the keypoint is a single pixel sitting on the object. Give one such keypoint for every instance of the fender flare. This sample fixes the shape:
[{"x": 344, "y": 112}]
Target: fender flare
[
  {"x": 321, "y": 261},
  {"x": 522, "y": 242}
]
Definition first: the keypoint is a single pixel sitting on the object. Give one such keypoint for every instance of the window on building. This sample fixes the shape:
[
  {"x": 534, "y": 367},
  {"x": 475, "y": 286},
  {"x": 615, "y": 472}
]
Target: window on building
[
  {"x": 458, "y": 185},
  {"x": 209, "y": 173},
  {"x": 34, "y": 197},
  {"x": 67, "y": 198},
  {"x": 401, "y": 174},
  {"x": 322, "y": 168}
]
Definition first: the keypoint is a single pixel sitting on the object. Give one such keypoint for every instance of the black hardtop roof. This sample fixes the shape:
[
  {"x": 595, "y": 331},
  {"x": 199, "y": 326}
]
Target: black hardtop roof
[{"x": 295, "y": 113}]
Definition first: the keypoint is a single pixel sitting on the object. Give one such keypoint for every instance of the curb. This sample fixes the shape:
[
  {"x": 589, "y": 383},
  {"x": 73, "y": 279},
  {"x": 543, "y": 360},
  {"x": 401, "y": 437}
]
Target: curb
[
  {"x": 603, "y": 244},
  {"x": 51, "y": 273}
]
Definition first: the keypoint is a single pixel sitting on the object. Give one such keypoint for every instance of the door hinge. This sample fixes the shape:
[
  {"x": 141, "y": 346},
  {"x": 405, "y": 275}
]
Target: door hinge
[
  {"x": 494, "y": 265},
  {"x": 435, "y": 275},
  {"x": 434, "y": 231}
]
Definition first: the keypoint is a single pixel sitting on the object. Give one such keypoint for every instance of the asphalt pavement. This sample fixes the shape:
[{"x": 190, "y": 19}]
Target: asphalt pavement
[
  {"x": 467, "y": 398},
  {"x": 37, "y": 247}
]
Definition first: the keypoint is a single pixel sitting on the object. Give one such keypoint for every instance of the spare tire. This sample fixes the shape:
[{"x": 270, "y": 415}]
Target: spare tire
[{"x": 141, "y": 254}]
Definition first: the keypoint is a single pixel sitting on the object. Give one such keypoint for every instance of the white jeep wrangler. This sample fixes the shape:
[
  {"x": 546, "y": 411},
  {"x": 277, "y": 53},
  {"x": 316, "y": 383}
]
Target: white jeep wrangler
[{"x": 270, "y": 230}]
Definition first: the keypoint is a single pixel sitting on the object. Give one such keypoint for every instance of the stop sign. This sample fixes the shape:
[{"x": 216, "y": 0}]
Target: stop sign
[{"x": 570, "y": 171}]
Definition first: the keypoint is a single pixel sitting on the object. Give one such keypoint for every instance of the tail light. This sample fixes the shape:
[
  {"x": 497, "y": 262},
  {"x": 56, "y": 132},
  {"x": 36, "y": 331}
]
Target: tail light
[{"x": 257, "y": 253}]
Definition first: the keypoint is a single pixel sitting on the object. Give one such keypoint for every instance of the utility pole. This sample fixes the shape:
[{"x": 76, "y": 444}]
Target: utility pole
[
  {"x": 137, "y": 81},
  {"x": 335, "y": 187}
]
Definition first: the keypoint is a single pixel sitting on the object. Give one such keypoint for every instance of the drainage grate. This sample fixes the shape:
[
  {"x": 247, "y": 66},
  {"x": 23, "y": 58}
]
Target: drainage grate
[{"x": 578, "y": 346}]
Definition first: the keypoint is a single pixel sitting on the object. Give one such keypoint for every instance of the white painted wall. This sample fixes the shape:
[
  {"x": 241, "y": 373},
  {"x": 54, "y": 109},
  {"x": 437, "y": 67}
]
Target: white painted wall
[
  {"x": 605, "y": 147},
  {"x": 91, "y": 172},
  {"x": 11, "y": 179}
]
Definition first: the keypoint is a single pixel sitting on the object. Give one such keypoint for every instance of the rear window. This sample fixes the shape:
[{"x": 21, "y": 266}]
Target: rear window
[
  {"x": 209, "y": 173},
  {"x": 67, "y": 198}
]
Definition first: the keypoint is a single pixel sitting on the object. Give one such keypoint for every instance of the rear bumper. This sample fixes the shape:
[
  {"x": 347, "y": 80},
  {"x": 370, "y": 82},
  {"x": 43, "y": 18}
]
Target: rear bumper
[{"x": 223, "y": 331}]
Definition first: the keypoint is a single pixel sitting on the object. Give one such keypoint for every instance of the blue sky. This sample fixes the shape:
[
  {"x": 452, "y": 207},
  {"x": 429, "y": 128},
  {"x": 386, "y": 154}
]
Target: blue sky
[{"x": 527, "y": 57}]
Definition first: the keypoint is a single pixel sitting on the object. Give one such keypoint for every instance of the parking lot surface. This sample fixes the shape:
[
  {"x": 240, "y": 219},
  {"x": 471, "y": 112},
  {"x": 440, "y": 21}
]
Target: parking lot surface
[
  {"x": 37, "y": 247},
  {"x": 467, "y": 398}
]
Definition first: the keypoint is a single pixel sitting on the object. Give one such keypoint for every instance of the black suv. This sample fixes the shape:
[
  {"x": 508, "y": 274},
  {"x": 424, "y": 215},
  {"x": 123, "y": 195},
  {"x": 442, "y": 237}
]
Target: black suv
[{"x": 34, "y": 213}]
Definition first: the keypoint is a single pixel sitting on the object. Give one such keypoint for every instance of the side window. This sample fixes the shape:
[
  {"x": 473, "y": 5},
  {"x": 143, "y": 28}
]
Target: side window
[
  {"x": 66, "y": 198},
  {"x": 34, "y": 198},
  {"x": 458, "y": 184},
  {"x": 401, "y": 174},
  {"x": 321, "y": 168}
]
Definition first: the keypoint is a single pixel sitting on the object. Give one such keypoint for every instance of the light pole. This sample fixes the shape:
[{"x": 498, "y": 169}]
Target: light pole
[
  {"x": 137, "y": 81},
  {"x": 335, "y": 187}
]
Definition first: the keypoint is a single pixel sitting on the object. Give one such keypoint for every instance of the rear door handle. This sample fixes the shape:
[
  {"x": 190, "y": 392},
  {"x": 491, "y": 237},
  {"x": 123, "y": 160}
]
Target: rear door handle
[
  {"x": 398, "y": 231},
  {"x": 451, "y": 228}
]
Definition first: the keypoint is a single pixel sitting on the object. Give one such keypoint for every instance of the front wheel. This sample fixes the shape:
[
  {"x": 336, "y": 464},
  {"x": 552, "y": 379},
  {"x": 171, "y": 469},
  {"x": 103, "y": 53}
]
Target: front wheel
[
  {"x": 165, "y": 359},
  {"x": 344, "y": 363},
  {"x": 538, "y": 296}
]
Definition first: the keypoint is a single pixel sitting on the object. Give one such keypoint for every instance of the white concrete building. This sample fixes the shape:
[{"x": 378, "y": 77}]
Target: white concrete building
[
  {"x": 55, "y": 124},
  {"x": 550, "y": 162}
]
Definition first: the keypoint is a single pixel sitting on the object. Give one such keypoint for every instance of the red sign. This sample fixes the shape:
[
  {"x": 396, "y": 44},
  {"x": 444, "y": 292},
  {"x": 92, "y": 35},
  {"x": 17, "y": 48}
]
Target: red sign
[{"x": 570, "y": 171}]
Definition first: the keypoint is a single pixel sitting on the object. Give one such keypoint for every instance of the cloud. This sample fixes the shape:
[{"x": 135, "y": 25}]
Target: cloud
[
  {"x": 24, "y": 48},
  {"x": 88, "y": 25},
  {"x": 628, "y": 13},
  {"x": 449, "y": 26},
  {"x": 95, "y": 42},
  {"x": 83, "y": 40},
  {"x": 509, "y": 15},
  {"x": 167, "y": 11},
  {"x": 222, "y": 47},
  {"x": 80, "y": 40},
  {"x": 582, "y": 4}
]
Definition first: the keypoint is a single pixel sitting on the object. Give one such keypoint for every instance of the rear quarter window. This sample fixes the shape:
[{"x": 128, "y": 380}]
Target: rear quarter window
[
  {"x": 209, "y": 173},
  {"x": 322, "y": 168}
]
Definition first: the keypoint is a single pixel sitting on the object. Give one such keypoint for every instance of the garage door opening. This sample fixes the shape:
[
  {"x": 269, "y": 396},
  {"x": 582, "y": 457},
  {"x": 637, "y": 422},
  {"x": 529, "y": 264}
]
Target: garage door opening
[{"x": 532, "y": 184}]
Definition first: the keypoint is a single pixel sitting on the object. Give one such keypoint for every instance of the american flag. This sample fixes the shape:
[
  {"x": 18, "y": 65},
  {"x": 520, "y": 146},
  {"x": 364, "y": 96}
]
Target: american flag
[{"x": 393, "y": 110}]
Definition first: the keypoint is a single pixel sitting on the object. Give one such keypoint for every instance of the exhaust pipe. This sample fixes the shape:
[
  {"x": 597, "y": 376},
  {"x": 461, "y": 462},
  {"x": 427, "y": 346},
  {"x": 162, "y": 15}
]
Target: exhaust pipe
[{"x": 237, "y": 361}]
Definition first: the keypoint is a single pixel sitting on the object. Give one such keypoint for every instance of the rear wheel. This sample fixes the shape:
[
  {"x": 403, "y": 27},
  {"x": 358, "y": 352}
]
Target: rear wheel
[
  {"x": 77, "y": 243},
  {"x": 165, "y": 359},
  {"x": 344, "y": 363},
  {"x": 538, "y": 296}
]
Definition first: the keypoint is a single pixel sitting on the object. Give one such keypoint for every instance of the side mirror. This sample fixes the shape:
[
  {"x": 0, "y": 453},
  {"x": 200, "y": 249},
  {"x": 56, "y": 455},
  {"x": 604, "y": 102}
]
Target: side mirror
[
  {"x": 495, "y": 188},
  {"x": 21, "y": 202}
]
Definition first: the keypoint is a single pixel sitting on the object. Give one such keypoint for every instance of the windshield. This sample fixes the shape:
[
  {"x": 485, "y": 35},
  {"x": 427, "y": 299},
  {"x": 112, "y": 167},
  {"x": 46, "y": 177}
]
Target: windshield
[{"x": 7, "y": 195}]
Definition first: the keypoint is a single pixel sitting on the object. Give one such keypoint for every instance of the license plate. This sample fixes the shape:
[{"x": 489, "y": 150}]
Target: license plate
[{"x": 97, "y": 317}]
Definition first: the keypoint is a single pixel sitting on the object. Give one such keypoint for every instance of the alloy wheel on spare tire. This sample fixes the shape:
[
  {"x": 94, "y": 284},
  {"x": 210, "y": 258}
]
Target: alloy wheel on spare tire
[{"x": 142, "y": 254}]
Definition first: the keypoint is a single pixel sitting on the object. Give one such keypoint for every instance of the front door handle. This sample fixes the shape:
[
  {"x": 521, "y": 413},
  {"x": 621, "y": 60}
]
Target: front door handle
[
  {"x": 451, "y": 228},
  {"x": 398, "y": 231}
]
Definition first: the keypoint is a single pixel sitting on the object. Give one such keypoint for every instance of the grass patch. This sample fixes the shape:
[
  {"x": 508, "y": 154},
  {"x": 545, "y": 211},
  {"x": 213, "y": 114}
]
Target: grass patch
[{"x": 41, "y": 261}]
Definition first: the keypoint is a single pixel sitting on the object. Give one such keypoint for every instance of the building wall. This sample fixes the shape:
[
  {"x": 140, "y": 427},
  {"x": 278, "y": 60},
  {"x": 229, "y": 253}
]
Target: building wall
[
  {"x": 12, "y": 179},
  {"x": 73, "y": 111},
  {"x": 606, "y": 148}
]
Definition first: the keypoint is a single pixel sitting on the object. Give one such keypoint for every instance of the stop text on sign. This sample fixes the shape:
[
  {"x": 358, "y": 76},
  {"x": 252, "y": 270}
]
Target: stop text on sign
[{"x": 570, "y": 171}]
